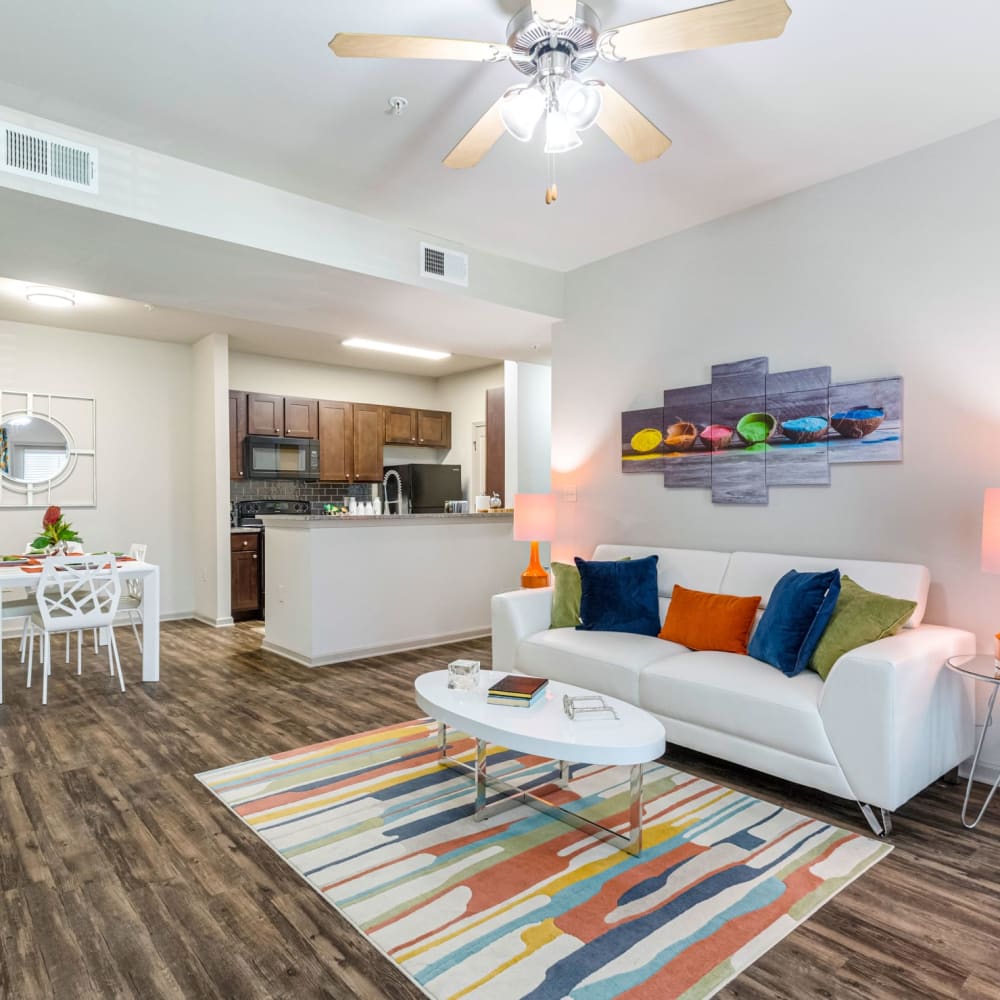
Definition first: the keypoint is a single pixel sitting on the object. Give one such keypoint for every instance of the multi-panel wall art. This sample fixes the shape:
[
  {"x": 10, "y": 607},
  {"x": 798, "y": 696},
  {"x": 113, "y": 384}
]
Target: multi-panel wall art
[{"x": 750, "y": 429}]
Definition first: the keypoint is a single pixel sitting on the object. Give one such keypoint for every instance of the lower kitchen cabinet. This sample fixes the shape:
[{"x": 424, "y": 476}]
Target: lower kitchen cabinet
[{"x": 246, "y": 576}]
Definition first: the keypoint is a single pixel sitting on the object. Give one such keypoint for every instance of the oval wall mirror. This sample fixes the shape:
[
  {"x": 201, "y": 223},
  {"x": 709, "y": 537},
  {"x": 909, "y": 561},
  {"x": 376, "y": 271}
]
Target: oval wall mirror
[{"x": 33, "y": 450}]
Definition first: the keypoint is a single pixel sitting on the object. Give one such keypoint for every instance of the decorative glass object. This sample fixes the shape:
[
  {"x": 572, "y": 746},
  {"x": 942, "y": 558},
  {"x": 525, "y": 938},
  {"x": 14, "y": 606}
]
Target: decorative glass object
[
  {"x": 589, "y": 706},
  {"x": 463, "y": 675}
]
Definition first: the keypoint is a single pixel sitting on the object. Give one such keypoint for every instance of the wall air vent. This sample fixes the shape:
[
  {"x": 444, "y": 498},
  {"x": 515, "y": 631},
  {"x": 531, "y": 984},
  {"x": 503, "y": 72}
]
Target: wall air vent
[
  {"x": 444, "y": 265},
  {"x": 46, "y": 158}
]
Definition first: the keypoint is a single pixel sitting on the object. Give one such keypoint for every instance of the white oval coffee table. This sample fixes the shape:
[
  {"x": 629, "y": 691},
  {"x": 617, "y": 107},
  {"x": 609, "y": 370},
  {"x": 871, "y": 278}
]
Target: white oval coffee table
[{"x": 544, "y": 730}]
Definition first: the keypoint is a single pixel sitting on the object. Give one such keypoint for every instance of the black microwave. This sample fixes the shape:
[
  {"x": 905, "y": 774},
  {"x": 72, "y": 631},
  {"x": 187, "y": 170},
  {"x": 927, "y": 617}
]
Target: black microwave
[{"x": 282, "y": 458}]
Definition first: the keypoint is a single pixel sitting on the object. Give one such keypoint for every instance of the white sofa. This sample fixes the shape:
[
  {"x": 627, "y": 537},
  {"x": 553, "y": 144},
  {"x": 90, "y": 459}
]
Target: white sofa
[{"x": 889, "y": 720}]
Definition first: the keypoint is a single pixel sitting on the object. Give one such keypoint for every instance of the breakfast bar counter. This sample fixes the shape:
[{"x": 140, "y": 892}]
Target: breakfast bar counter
[{"x": 342, "y": 588}]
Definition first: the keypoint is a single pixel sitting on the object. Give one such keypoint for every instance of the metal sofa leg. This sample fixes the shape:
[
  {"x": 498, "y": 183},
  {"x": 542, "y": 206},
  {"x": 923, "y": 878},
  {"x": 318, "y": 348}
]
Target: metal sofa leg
[{"x": 880, "y": 824}]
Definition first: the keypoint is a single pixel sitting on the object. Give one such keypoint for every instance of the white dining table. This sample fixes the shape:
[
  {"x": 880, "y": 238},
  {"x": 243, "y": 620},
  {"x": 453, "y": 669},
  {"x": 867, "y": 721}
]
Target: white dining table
[{"x": 14, "y": 578}]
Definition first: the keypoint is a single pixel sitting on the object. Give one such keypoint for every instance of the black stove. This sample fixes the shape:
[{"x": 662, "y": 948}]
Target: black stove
[{"x": 250, "y": 512}]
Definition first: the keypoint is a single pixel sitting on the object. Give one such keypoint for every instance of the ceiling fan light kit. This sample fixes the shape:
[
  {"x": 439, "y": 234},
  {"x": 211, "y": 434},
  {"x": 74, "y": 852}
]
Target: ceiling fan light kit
[{"x": 553, "y": 42}]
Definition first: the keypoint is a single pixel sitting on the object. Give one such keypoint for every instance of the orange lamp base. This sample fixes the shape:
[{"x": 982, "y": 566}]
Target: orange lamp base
[{"x": 534, "y": 575}]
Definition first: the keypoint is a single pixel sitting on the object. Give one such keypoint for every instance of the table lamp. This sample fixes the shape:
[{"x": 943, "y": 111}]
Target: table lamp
[
  {"x": 535, "y": 521},
  {"x": 991, "y": 541}
]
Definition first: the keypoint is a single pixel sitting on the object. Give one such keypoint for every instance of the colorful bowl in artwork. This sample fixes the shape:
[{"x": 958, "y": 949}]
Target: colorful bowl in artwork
[
  {"x": 858, "y": 423},
  {"x": 715, "y": 437},
  {"x": 804, "y": 430},
  {"x": 681, "y": 436},
  {"x": 756, "y": 428},
  {"x": 646, "y": 440}
]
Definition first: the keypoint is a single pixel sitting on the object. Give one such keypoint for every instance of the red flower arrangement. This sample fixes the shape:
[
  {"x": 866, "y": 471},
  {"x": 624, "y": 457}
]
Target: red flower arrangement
[{"x": 56, "y": 530}]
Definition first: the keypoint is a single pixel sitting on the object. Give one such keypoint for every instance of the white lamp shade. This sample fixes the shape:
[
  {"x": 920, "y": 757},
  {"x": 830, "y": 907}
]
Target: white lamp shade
[
  {"x": 560, "y": 136},
  {"x": 991, "y": 531},
  {"x": 521, "y": 110},
  {"x": 534, "y": 517},
  {"x": 580, "y": 103}
]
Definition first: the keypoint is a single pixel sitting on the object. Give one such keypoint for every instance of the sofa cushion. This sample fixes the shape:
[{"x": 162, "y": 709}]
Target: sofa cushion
[
  {"x": 605, "y": 662},
  {"x": 741, "y": 696},
  {"x": 800, "y": 607},
  {"x": 709, "y": 621},
  {"x": 619, "y": 596}
]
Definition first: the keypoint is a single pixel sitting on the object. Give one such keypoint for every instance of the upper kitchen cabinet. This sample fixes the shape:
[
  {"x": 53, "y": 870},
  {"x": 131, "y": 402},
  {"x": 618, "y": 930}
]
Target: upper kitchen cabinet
[
  {"x": 301, "y": 418},
  {"x": 265, "y": 414},
  {"x": 433, "y": 429},
  {"x": 237, "y": 435},
  {"x": 424, "y": 428},
  {"x": 336, "y": 442},
  {"x": 369, "y": 437},
  {"x": 400, "y": 425}
]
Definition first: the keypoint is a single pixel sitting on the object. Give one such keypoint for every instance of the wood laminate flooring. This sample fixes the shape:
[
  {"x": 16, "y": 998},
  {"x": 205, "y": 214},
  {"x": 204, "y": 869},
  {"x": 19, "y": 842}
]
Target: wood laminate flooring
[{"x": 120, "y": 876}]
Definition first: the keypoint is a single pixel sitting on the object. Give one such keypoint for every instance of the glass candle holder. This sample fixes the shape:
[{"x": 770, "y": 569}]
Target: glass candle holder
[{"x": 463, "y": 675}]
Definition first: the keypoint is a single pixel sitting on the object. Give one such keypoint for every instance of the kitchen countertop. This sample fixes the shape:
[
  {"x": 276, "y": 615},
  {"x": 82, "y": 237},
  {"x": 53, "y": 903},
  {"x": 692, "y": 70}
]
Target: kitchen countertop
[
  {"x": 374, "y": 520},
  {"x": 248, "y": 530}
]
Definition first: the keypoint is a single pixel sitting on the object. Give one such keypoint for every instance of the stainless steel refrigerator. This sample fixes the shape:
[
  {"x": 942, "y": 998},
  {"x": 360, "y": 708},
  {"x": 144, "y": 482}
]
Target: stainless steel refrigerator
[{"x": 426, "y": 488}]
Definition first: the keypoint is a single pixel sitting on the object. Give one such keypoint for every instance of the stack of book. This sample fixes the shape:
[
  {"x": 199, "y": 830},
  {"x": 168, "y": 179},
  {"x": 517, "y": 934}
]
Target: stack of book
[{"x": 516, "y": 691}]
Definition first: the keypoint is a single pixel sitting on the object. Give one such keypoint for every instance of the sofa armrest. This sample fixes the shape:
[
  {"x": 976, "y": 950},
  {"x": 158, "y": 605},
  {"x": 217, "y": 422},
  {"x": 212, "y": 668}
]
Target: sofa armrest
[
  {"x": 896, "y": 716},
  {"x": 515, "y": 615}
]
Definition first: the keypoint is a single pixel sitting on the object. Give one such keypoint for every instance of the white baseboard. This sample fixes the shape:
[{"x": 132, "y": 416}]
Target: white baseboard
[
  {"x": 986, "y": 772},
  {"x": 363, "y": 652},
  {"x": 12, "y": 627},
  {"x": 212, "y": 622}
]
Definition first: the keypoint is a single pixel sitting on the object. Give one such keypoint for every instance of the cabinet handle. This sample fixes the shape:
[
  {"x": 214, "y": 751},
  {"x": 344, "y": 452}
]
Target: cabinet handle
[
  {"x": 255, "y": 555},
  {"x": 245, "y": 543}
]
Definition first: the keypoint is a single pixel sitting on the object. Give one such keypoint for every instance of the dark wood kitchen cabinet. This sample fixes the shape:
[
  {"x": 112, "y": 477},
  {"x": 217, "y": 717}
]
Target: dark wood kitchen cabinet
[
  {"x": 246, "y": 590},
  {"x": 423, "y": 428},
  {"x": 496, "y": 416},
  {"x": 237, "y": 435},
  {"x": 433, "y": 429},
  {"x": 301, "y": 418},
  {"x": 351, "y": 439},
  {"x": 265, "y": 414}
]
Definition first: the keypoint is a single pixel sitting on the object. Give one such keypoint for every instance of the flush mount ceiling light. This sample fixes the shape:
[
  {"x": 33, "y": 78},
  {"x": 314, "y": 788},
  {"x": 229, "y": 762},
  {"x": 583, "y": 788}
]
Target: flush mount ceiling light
[
  {"x": 52, "y": 298},
  {"x": 410, "y": 352},
  {"x": 553, "y": 42}
]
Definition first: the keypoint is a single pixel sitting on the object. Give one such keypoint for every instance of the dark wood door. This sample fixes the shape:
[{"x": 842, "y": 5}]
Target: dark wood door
[
  {"x": 336, "y": 442},
  {"x": 245, "y": 575},
  {"x": 369, "y": 438},
  {"x": 433, "y": 429},
  {"x": 301, "y": 418},
  {"x": 400, "y": 425},
  {"x": 265, "y": 414},
  {"x": 237, "y": 435},
  {"x": 495, "y": 442}
]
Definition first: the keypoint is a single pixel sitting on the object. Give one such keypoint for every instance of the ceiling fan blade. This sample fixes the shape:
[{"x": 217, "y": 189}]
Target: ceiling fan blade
[
  {"x": 629, "y": 128},
  {"x": 412, "y": 47},
  {"x": 555, "y": 11},
  {"x": 699, "y": 28},
  {"x": 478, "y": 141}
]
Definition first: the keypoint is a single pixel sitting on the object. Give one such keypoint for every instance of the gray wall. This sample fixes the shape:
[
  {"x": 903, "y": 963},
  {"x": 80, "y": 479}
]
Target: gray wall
[{"x": 892, "y": 270}]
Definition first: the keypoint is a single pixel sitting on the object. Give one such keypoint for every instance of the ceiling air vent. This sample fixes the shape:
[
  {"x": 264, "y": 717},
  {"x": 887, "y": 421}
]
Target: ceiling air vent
[
  {"x": 444, "y": 265},
  {"x": 46, "y": 158}
]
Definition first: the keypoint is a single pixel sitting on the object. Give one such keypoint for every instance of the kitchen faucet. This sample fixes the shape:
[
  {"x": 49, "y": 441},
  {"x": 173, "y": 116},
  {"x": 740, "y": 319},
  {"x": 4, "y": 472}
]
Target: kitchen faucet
[{"x": 399, "y": 491}]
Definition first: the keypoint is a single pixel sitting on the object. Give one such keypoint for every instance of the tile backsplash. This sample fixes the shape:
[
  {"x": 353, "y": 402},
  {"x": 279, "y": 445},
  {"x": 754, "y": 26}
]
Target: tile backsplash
[{"x": 318, "y": 494}]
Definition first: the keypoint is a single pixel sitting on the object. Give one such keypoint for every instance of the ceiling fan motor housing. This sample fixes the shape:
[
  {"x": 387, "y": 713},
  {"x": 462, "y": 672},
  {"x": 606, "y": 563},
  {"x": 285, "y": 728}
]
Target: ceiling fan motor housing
[{"x": 530, "y": 39}]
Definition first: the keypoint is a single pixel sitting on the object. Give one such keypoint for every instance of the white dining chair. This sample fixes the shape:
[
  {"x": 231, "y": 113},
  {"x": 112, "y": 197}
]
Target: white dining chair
[
  {"x": 76, "y": 593},
  {"x": 131, "y": 601}
]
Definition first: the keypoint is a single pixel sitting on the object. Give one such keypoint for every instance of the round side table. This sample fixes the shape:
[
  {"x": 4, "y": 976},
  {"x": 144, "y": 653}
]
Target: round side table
[{"x": 986, "y": 670}]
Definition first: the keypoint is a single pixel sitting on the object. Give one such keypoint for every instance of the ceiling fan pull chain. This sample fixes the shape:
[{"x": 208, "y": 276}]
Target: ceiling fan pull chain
[{"x": 552, "y": 191}]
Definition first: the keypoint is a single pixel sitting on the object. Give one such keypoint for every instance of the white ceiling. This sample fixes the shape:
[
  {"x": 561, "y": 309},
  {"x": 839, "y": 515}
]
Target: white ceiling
[{"x": 249, "y": 87}]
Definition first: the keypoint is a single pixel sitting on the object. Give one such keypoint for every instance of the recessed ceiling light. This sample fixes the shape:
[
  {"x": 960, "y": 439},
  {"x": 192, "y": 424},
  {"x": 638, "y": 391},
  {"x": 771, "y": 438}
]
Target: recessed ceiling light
[
  {"x": 411, "y": 352},
  {"x": 53, "y": 298}
]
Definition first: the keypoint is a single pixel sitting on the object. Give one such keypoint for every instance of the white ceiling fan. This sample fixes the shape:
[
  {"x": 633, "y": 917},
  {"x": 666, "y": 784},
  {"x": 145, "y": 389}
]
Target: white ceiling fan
[{"x": 553, "y": 42}]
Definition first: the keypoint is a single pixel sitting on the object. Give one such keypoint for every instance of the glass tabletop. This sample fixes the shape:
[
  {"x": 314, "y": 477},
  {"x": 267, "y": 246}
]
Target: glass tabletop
[{"x": 982, "y": 667}]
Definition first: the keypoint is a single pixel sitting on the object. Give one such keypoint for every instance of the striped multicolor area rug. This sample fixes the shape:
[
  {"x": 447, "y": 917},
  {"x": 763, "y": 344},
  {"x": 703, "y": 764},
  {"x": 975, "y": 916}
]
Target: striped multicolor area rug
[{"x": 522, "y": 905}]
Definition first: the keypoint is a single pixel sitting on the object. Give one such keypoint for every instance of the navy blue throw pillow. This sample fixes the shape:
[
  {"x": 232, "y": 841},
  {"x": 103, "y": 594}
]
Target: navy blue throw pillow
[
  {"x": 619, "y": 596},
  {"x": 796, "y": 616}
]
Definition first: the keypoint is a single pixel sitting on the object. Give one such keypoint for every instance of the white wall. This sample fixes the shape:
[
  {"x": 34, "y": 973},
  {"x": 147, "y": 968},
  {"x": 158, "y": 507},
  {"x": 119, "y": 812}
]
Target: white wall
[
  {"x": 528, "y": 428},
  {"x": 144, "y": 406},
  {"x": 892, "y": 270}
]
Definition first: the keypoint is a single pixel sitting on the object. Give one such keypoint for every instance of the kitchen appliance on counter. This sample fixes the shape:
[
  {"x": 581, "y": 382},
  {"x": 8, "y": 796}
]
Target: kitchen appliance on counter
[
  {"x": 250, "y": 512},
  {"x": 426, "y": 488},
  {"x": 282, "y": 458}
]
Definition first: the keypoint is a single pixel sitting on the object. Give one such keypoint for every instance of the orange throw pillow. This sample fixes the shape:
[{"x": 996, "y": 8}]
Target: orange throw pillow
[{"x": 709, "y": 621}]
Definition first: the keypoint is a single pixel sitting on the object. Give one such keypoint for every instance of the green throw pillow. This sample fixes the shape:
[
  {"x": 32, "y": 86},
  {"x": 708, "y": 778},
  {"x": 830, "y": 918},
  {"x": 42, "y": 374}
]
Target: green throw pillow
[
  {"x": 860, "y": 617},
  {"x": 566, "y": 596}
]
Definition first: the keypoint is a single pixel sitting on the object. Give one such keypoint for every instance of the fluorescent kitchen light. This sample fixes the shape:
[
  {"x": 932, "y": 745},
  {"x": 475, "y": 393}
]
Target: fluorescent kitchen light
[
  {"x": 53, "y": 298},
  {"x": 410, "y": 352}
]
